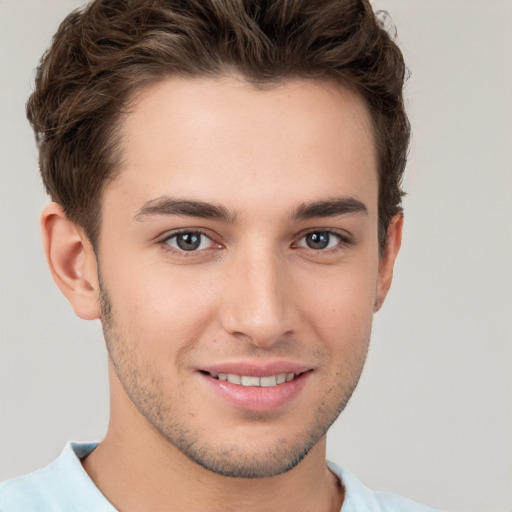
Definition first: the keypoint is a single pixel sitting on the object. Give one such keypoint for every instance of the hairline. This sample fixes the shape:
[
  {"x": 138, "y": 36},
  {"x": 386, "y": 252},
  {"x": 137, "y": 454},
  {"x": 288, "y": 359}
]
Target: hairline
[{"x": 115, "y": 132}]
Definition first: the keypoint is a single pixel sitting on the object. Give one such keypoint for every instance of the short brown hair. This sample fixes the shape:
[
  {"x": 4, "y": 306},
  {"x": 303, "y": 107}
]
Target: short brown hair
[{"x": 101, "y": 54}]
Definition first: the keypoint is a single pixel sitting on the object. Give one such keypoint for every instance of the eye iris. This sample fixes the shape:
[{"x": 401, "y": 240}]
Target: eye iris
[
  {"x": 188, "y": 241},
  {"x": 318, "y": 240}
]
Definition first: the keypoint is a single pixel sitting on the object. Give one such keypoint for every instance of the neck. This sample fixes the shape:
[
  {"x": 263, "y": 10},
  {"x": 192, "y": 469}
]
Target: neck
[{"x": 138, "y": 470}]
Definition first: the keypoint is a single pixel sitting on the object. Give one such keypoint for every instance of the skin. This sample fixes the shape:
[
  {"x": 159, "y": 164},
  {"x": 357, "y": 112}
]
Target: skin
[{"x": 255, "y": 291}]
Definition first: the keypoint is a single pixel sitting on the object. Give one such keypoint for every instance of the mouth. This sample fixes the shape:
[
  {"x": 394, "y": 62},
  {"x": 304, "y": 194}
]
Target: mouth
[
  {"x": 254, "y": 380},
  {"x": 257, "y": 388}
]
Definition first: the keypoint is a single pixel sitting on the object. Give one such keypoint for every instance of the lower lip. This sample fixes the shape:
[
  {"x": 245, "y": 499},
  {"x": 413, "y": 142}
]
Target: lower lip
[{"x": 258, "y": 398}]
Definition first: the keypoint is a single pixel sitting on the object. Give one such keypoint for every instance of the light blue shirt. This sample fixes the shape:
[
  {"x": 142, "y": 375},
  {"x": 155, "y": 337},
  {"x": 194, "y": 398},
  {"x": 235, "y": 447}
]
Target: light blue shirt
[{"x": 64, "y": 486}]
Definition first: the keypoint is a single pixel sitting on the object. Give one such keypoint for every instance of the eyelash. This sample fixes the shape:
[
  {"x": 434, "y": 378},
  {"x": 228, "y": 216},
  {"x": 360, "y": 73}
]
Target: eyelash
[
  {"x": 343, "y": 242},
  {"x": 165, "y": 242}
]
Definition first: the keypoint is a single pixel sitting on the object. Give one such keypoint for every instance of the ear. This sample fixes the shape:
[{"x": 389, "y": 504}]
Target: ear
[
  {"x": 72, "y": 261},
  {"x": 388, "y": 257}
]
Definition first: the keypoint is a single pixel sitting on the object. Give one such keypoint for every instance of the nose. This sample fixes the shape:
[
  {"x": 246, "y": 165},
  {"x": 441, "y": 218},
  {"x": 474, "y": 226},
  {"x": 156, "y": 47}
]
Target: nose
[{"x": 258, "y": 303}]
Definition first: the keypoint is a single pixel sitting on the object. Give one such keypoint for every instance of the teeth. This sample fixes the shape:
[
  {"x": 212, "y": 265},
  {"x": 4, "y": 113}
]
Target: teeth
[
  {"x": 268, "y": 381},
  {"x": 234, "y": 379},
  {"x": 249, "y": 380}
]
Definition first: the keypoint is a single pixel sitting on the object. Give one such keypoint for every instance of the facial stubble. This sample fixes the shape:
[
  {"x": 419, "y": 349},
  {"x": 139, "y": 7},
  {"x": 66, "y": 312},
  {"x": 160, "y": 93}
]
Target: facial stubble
[{"x": 144, "y": 388}]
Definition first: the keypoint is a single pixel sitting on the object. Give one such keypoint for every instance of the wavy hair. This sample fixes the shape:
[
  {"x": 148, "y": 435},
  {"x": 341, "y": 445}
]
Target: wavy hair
[{"x": 103, "y": 53}]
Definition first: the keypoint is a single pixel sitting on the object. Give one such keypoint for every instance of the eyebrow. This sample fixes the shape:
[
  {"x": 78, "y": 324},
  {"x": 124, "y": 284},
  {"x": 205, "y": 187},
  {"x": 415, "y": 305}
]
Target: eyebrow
[
  {"x": 330, "y": 208},
  {"x": 166, "y": 205}
]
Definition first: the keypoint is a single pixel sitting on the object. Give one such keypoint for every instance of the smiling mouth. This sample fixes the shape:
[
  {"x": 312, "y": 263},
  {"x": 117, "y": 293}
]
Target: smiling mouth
[{"x": 254, "y": 381}]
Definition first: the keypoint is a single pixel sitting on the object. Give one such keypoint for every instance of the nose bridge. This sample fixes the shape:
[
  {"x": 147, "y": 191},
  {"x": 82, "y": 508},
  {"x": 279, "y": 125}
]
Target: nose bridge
[{"x": 258, "y": 303}]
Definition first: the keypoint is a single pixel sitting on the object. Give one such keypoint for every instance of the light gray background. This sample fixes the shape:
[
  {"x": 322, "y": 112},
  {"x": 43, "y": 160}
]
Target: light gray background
[{"x": 432, "y": 417}]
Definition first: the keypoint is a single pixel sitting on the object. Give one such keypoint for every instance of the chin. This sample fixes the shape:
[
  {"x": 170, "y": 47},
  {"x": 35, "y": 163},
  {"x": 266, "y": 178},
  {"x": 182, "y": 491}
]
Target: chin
[{"x": 237, "y": 462}]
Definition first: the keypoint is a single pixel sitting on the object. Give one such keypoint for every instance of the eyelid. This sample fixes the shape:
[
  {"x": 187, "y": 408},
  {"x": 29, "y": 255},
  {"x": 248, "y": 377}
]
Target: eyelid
[
  {"x": 164, "y": 239},
  {"x": 344, "y": 239}
]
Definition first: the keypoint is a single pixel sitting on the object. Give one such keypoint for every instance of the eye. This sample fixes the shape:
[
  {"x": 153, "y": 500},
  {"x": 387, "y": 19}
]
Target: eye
[
  {"x": 189, "y": 241},
  {"x": 320, "y": 240}
]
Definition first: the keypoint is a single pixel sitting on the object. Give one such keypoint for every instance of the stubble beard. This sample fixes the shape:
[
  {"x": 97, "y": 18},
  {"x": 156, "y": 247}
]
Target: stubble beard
[{"x": 146, "y": 393}]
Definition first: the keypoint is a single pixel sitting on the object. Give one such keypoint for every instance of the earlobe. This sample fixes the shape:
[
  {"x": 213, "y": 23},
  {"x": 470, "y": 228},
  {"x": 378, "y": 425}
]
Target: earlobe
[
  {"x": 387, "y": 259},
  {"x": 72, "y": 261}
]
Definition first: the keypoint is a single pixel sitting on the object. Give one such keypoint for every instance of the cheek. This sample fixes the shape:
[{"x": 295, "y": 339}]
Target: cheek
[
  {"x": 162, "y": 307},
  {"x": 341, "y": 304}
]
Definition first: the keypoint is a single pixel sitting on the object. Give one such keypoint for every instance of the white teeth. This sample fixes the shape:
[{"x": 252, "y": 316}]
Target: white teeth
[
  {"x": 249, "y": 380},
  {"x": 281, "y": 378},
  {"x": 268, "y": 381},
  {"x": 234, "y": 379}
]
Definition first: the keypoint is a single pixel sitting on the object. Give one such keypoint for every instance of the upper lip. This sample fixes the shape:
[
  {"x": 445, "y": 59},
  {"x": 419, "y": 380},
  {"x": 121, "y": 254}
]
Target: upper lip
[{"x": 256, "y": 369}]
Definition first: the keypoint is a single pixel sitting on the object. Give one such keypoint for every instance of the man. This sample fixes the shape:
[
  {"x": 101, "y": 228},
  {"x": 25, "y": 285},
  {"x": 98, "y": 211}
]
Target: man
[{"x": 225, "y": 179}]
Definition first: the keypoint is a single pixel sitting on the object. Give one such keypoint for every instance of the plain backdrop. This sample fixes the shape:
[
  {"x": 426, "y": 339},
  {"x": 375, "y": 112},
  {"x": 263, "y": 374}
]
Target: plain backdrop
[{"x": 432, "y": 417}]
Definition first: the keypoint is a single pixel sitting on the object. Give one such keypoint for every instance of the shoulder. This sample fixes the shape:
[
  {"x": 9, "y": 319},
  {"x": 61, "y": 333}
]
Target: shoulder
[
  {"x": 359, "y": 497},
  {"x": 62, "y": 486},
  {"x": 31, "y": 492}
]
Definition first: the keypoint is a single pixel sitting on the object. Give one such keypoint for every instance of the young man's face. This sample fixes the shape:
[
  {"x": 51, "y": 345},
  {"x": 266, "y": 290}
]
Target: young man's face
[{"x": 239, "y": 242}]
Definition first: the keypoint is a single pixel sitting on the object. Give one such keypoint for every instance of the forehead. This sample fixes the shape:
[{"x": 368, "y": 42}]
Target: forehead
[{"x": 229, "y": 142}]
